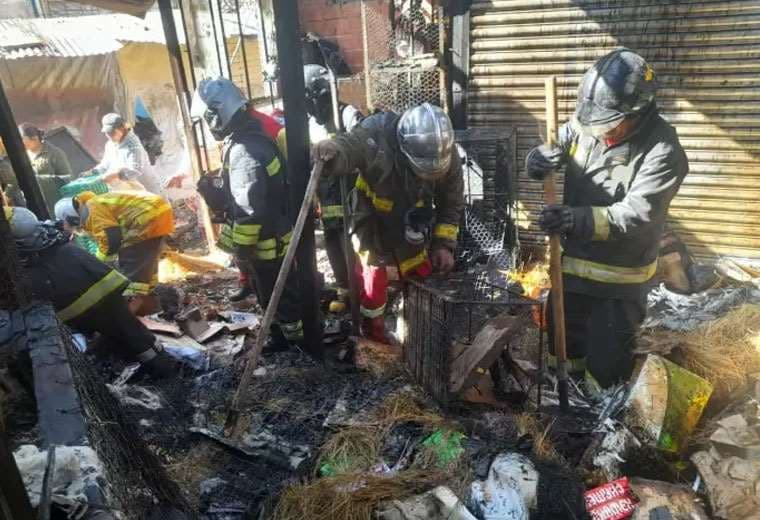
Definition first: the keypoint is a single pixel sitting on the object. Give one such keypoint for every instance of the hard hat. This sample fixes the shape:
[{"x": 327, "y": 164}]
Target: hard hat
[
  {"x": 619, "y": 85},
  {"x": 217, "y": 101},
  {"x": 64, "y": 210},
  {"x": 426, "y": 137},
  {"x": 22, "y": 221}
]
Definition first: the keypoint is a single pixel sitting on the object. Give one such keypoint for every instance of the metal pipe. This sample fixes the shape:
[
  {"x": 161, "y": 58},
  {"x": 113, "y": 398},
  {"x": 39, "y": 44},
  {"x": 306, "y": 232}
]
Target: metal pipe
[
  {"x": 184, "y": 98},
  {"x": 243, "y": 51},
  {"x": 27, "y": 180},
  {"x": 224, "y": 38},
  {"x": 365, "y": 48},
  {"x": 296, "y": 126},
  {"x": 266, "y": 48},
  {"x": 216, "y": 38}
]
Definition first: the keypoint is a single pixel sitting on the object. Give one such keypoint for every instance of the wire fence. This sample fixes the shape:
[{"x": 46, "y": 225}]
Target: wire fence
[{"x": 404, "y": 45}]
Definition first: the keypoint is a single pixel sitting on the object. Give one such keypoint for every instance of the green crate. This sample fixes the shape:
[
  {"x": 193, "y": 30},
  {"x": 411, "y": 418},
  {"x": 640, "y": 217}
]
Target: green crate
[{"x": 91, "y": 183}]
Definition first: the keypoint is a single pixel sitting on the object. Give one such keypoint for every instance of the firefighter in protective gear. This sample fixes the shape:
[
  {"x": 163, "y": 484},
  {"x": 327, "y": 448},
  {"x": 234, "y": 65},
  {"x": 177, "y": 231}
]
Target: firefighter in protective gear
[
  {"x": 85, "y": 292},
  {"x": 252, "y": 194},
  {"x": 408, "y": 199},
  {"x": 623, "y": 166},
  {"x": 319, "y": 105},
  {"x": 131, "y": 226}
]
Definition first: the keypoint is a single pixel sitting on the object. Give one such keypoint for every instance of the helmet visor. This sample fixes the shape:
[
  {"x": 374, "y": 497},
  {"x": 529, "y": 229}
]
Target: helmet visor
[{"x": 427, "y": 140}]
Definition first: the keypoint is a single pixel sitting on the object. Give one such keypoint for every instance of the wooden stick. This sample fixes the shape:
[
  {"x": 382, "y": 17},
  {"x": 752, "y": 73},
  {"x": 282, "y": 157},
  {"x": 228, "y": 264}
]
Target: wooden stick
[
  {"x": 555, "y": 251},
  {"x": 231, "y": 426}
]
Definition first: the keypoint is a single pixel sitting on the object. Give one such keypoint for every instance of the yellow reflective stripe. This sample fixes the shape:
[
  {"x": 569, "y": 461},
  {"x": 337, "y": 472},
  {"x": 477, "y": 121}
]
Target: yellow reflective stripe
[
  {"x": 246, "y": 234},
  {"x": 8, "y": 213},
  {"x": 138, "y": 289},
  {"x": 273, "y": 168},
  {"x": 269, "y": 243},
  {"x": 371, "y": 313},
  {"x": 285, "y": 239},
  {"x": 99, "y": 290},
  {"x": 104, "y": 257},
  {"x": 412, "y": 263},
  {"x": 335, "y": 211},
  {"x": 573, "y": 148},
  {"x": 446, "y": 231},
  {"x": 601, "y": 223},
  {"x": 607, "y": 273},
  {"x": 381, "y": 204},
  {"x": 419, "y": 204}
]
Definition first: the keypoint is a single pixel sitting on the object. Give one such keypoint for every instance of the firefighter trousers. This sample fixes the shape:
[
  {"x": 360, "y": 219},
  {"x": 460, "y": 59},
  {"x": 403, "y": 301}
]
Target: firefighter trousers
[
  {"x": 336, "y": 253},
  {"x": 600, "y": 335},
  {"x": 288, "y": 315},
  {"x": 373, "y": 282},
  {"x": 112, "y": 318},
  {"x": 139, "y": 263}
]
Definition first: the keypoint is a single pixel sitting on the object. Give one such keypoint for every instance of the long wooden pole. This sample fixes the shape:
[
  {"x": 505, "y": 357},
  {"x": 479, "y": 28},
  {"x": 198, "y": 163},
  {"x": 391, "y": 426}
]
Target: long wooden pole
[
  {"x": 252, "y": 359},
  {"x": 555, "y": 251}
]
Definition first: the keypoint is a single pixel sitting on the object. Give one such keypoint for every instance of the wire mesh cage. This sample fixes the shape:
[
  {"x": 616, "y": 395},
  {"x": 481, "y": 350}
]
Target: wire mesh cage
[
  {"x": 442, "y": 316},
  {"x": 488, "y": 231},
  {"x": 138, "y": 484},
  {"x": 404, "y": 44}
]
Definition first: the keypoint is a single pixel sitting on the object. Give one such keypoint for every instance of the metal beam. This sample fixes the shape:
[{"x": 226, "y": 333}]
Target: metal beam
[
  {"x": 296, "y": 127},
  {"x": 25, "y": 176},
  {"x": 460, "y": 65},
  {"x": 184, "y": 99}
]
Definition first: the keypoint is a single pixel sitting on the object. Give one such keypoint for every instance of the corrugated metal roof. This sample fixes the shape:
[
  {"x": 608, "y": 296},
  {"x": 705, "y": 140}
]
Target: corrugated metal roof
[{"x": 74, "y": 36}]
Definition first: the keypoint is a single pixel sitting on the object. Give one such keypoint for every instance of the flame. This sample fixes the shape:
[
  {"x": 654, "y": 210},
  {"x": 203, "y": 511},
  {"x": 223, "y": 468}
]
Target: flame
[{"x": 534, "y": 279}]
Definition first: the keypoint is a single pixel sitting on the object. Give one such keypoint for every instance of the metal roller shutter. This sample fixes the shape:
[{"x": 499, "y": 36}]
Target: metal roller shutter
[{"x": 706, "y": 57}]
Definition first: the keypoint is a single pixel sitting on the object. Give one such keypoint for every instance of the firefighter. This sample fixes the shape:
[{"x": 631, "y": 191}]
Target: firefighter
[
  {"x": 408, "y": 203},
  {"x": 319, "y": 105},
  {"x": 85, "y": 292},
  {"x": 252, "y": 194},
  {"x": 623, "y": 165},
  {"x": 130, "y": 226}
]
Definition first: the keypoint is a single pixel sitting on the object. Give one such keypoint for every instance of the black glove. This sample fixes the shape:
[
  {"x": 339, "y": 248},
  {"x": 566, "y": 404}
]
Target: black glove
[
  {"x": 543, "y": 160},
  {"x": 556, "y": 218}
]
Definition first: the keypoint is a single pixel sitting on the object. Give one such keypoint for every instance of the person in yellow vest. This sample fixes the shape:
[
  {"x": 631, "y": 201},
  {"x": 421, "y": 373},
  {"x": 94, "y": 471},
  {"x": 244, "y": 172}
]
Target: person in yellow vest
[
  {"x": 85, "y": 292},
  {"x": 130, "y": 227}
]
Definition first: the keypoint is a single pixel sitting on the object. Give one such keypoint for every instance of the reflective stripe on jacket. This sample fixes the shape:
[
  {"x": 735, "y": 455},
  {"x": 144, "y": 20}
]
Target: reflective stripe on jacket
[
  {"x": 624, "y": 191},
  {"x": 120, "y": 219}
]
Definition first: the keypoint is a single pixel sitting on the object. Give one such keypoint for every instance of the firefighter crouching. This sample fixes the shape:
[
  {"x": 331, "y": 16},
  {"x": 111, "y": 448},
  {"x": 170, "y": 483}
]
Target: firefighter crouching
[
  {"x": 251, "y": 193},
  {"x": 623, "y": 166},
  {"x": 319, "y": 106},
  {"x": 408, "y": 199},
  {"x": 85, "y": 292},
  {"x": 130, "y": 226}
]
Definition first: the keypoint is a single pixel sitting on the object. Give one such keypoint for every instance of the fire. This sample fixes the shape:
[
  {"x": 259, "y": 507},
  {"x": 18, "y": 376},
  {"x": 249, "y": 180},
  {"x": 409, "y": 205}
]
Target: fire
[{"x": 534, "y": 279}]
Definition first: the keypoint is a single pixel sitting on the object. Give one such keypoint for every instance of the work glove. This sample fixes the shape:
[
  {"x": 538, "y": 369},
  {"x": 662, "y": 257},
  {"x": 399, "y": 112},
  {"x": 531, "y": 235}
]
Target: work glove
[
  {"x": 330, "y": 152},
  {"x": 542, "y": 161},
  {"x": 442, "y": 260},
  {"x": 557, "y": 218}
]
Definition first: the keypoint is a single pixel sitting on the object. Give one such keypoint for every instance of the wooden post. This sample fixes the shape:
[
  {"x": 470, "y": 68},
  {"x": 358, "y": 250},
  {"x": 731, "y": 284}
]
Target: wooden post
[{"x": 555, "y": 251}]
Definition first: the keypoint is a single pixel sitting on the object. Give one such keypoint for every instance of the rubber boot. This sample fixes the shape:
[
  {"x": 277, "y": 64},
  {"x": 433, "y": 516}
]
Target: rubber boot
[
  {"x": 374, "y": 329},
  {"x": 241, "y": 294}
]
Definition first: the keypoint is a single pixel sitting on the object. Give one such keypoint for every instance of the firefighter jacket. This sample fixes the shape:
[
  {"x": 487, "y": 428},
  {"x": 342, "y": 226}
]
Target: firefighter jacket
[
  {"x": 122, "y": 219},
  {"x": 621, "y": 193},
  {"x": 260, "y": 225},
  {"x": 71, "y": 278},
  {"x": 386, "y": 190},
  {"x": 328, "y": 192}
]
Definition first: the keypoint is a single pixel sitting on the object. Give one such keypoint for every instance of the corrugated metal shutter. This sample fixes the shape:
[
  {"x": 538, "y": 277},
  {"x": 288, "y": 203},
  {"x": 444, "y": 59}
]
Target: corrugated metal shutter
[{"x": 707, "y": 58}]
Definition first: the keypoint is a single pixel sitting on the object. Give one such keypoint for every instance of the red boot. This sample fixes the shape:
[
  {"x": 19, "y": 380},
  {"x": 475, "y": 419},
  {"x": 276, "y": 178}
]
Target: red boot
[{"x": 374, "y": 329}]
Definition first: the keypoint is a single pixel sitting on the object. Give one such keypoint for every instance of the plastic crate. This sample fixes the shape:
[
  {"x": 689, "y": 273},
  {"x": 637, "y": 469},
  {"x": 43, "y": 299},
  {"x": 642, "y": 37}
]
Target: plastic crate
[{"x": 90, "y": 183}]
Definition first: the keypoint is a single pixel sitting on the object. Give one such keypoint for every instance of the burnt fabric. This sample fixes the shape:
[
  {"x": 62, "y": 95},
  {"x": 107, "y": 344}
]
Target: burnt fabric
[
  {"x": 140, "y": 264},
  {"x": 600, "y": 335},
  {"x": 113, "y": 320}
]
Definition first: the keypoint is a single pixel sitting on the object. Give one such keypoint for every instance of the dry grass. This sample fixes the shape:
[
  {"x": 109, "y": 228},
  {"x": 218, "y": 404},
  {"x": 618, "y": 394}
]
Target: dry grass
[
  {"x": 404, "y": 407},
  {"x": 723, "y": 352},
  {"x": 543, "y": 447},
  {"x": 351, "y": 449},
  {"x": 351, "y": 496},
  {"x": 197, "y": 465}
]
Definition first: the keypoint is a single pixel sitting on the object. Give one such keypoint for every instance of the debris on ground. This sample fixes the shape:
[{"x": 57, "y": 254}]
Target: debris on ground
[
  {"x": 509, "y": 492},
  {"x": 663, "y": 500},
  {"x": 437, "y": 504},
  {"x": 611, "y": 501}
]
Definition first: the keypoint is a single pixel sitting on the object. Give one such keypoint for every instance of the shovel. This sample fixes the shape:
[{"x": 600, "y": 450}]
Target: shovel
[
  {"x": 231, "y": 425},
  {"x": 555, "y": 252}
]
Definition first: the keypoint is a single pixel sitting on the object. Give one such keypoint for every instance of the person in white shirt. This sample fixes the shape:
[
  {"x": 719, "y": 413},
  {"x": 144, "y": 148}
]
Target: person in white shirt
[{"x": 124, "y": 157}]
